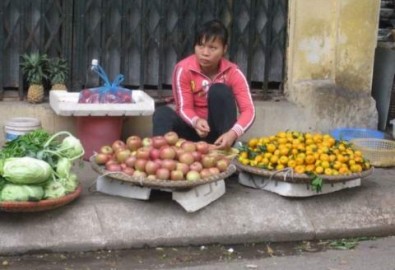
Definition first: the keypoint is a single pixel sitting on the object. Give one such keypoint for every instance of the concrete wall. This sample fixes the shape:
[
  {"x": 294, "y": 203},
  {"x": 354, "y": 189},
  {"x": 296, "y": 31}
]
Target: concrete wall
[
  {"x": 329, "y": 75},
  {"x": 271, "y": 117},
  {"x": 330, "y": 61}
]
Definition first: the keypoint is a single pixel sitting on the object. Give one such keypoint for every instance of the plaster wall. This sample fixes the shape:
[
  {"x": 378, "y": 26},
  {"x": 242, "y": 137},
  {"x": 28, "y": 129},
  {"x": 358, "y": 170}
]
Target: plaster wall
[{"x": 330, "y": 61}]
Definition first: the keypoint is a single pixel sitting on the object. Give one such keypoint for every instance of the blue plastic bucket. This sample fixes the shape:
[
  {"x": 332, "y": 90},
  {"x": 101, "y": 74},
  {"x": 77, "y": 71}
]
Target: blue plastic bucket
[{"x": 348, "y": 134}]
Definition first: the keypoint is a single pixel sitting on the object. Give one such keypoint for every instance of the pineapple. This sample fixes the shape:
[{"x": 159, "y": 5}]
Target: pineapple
[
  {"x": 34, "y": 66},
  {"x": 57, "y": 73}
]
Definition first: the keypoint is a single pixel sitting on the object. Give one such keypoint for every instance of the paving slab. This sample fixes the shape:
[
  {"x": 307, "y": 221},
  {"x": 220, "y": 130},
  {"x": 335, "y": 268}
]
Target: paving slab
[{"x": 97, "y": 221}]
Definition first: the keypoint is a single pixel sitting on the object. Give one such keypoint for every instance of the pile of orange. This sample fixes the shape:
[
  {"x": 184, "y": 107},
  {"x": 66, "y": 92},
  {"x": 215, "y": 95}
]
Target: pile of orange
[{"x": 303, "y": 152}]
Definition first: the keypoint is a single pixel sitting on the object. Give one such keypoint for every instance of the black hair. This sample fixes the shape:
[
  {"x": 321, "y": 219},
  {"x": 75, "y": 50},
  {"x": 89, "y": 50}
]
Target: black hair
[{"x": 211, "y": 30}]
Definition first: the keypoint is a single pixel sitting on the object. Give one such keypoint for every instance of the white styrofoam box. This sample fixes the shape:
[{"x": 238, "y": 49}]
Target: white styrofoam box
[
  {"x": 198, "y": 197},
  {"x": 191, "y": 199},
  {"x": 66, "y": 104},
  {"x": 115, "y": 187},
  {"x": 288, "y": 189}
]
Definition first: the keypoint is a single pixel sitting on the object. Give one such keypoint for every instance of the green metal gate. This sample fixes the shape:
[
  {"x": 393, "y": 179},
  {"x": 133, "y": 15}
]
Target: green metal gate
[{"x": 140, "y": 39}]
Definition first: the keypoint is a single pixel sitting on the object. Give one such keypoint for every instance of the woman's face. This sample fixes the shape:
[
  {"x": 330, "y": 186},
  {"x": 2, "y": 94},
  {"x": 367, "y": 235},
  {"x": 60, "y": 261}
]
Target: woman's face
[{"x": 209, "y": 53}]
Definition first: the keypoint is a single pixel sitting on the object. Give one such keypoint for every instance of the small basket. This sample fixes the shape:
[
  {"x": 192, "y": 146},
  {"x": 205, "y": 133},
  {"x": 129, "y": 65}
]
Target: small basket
[
  {"x": 348, "y": 134},
  {"x": 380, "y": 153}
]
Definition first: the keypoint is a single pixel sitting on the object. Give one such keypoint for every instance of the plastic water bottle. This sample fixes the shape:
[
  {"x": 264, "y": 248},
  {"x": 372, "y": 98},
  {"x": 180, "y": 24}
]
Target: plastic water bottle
[
  {"x": 91, "y": 78},
  {"x": 94, "y": 64}
]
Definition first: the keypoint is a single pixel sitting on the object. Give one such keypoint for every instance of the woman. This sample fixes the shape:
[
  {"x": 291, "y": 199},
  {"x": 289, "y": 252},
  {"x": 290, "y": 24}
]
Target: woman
[{"x": 209, "y": 91}]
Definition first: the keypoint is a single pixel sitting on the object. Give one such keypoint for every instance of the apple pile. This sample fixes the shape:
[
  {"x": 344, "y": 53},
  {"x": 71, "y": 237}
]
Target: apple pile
[{"x": 166, "y": 157}]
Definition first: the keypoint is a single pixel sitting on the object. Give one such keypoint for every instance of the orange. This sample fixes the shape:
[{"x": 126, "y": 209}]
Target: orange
[
  {"x": 319, "y": 170},
  {"x": 300, "y": 169},
  {"x": 252, "y": 142},
  {"x": 309, "y": 159}
]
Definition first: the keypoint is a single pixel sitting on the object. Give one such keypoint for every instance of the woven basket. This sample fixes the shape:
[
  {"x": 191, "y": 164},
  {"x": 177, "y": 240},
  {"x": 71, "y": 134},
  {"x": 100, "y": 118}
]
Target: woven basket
[
  {"x": 287, "y": 175},
  {"x": 167, "y": 184},
  {"x": 43, "y": 205},
  {"x": 380, "y": 153}
]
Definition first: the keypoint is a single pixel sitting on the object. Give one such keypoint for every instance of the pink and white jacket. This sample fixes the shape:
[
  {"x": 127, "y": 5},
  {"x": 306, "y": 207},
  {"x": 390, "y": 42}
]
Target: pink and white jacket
[{"x": 190, "y": 87}]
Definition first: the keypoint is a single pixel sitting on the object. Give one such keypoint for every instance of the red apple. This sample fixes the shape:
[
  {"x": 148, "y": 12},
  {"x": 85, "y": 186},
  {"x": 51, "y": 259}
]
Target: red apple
[
  {"x": 130, "y": 161},
  {"x": 158, "y": 141},
  {"x": 171, "y": 137},
  {"x": 169, "y": 164},
  {"x": 202, "y": 147},
  {"x": 223, "y": 164},
  {"x": 214, "y": 170},
  {"x": 163, "y": 174},
  {"x": 106, "y": 149},
  {"x": 188, "y": 146},
  {"x": 113, "y": 167},
  {"x": 177, "y": 175},
  {"x": 139, "y": 174},
  {"x": 122, "y": 154},
  {"x": 197, "y": 155},
  {"x": 154, "y": 154},
  {"x": 182, "y": 167},
  {"x": 101, "y": 158},
  {"x": 134, "y": 142},
  {"x": 205, "y": 173},
  {"x": 143, "y": 152},
  {"x": 193, "y": 176},
  {"x": 167, "y": 152},
  {"x": 128, "y": 171},
  {"x": 208, "y": 161},
  {"x": 186, "y": 158},
  {"x": 117, "y": 145},
  {"x": 196, "y": 166},
  {"x": 180, "y": 142},
  {"x": 151, "y": 177},
  {"x": 140, "y": 164},
  {"x": 151, "y": 167},
  {"x": 147, "y": 141}
]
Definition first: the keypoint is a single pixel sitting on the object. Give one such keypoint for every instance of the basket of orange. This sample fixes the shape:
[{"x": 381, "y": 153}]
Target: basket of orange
[{"x": 298, "y": 157}]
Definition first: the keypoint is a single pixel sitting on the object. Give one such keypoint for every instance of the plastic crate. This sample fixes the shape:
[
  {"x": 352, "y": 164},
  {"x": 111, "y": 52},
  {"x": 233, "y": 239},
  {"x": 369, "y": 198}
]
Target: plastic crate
[{"x": 348, "y": 134}]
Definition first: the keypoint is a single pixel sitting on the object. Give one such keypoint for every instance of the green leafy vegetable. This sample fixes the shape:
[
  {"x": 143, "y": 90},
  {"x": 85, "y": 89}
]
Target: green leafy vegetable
[
  {"x": 31, "y": 144},
  {"x": 316, "y": 183}
]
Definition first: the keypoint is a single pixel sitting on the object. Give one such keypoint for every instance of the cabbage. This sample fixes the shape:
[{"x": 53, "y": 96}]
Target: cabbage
[
  {"x": 54, "y": 189},
  {"x": 12, "y": 192},
  {"x": 26, "y": 170}
]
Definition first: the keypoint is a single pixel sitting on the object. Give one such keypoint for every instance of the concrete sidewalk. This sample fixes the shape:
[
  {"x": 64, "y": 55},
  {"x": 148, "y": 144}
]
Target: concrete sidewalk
[{"x": 96, "y": 221}]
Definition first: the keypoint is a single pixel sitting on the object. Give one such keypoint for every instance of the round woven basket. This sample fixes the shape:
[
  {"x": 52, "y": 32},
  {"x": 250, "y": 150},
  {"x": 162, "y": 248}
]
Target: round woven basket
[
  {"x": 380, "y": 153},
  {"x": 168, "y": 184},
  {"x": 43, "y": 205},
  {"x": 287, "y": 175}
]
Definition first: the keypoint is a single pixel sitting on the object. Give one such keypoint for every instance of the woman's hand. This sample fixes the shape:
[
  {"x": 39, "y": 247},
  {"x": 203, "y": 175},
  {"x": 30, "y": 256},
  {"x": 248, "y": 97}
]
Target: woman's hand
[
  {"x": 202, "y": 128},
  {"x": 226, "y": 140}
]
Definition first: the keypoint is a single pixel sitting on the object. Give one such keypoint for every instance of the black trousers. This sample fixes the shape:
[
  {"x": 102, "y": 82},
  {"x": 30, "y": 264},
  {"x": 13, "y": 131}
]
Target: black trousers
[{"x": 222, "y": 115}]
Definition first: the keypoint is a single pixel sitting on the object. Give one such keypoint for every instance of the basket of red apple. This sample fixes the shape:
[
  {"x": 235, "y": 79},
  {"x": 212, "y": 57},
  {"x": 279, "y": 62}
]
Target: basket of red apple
[{"x": 166, "y": 161}]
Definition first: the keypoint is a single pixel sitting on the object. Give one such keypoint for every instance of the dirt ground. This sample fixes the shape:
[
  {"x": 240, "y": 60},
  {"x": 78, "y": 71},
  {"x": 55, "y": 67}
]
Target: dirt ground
[{"x": 166, "y": 257}]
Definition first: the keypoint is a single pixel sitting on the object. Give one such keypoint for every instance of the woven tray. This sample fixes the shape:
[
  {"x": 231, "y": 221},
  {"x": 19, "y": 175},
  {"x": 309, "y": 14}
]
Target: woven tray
[
  {"x": 42, "y": 205},
  {"x": 287, "y": 175},
  {"x": 168, "y": 184}
]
